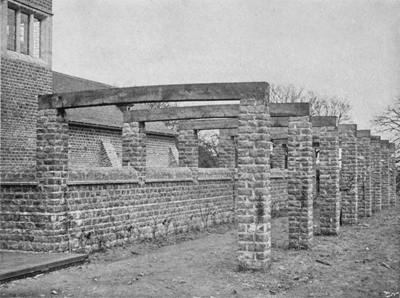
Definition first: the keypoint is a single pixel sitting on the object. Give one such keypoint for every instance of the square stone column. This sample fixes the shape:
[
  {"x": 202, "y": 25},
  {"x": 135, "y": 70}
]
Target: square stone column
[
  {"x": 52, "y": 175},
  {"x": 364, "y": 173},
  {"x": 226, "y": 150},
  {"x": 300, "y": 182},
  {"x": 376, "y": 156},
  {"x": 134, "y": 147},
  {"x": 254, "y": 198},
  {"x": 348, "y": 183},
  {"x": 385, "y": 174},
  {"x": 329, "y": 179},
  {"x": 393, "y": 174},
  {"x": 188, "y": 148}
]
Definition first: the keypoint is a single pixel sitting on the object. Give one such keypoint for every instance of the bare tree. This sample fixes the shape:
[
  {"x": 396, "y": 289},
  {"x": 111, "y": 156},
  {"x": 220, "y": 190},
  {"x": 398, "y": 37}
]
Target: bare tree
[{"x": 321, "y": 105}]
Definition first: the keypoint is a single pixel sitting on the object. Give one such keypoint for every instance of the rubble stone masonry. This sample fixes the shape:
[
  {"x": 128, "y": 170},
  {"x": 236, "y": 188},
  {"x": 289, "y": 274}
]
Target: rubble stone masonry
[
  {"x": 254, "y": 198},
  {"x": 188, "y": 148},
  {"x": 385, "y": 161},
  {"x": 393, "y": 174},
  {"x": 376, "y": 190},
  {"x": 348, "y": 183},
  {"x": 329, "y": 180},
  {"x": 364, "y": 173},
  {"x": 300, "y": 182}
]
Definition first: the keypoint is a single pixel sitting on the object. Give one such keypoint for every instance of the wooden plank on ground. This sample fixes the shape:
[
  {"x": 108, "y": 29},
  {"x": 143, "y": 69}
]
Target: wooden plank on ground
[
  {"x": 182, "y": 113},
  {"x": 151, "y": 94}
]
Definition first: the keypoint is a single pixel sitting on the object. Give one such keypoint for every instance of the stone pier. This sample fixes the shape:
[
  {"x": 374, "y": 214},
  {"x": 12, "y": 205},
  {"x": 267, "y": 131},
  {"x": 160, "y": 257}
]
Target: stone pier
[
  {"x": 385, "y": 160},
  {"x": 364, "y": 173},
  {"x": 348, "y": 184},
  {"x": 376, "y": 157},
  {"x": 393, "y": 174},
  {"x": 134, "y": 147},
  {"x": 254, "y": 198},
  {"x": 227, "y": 150},
  {"x": 329, "y": 178},
  {"x": 52, "y": 174},
  {"x": 188, "y": 148},
  {"x": 278, "y": 157},
  {"x": 300, "y": 182}
]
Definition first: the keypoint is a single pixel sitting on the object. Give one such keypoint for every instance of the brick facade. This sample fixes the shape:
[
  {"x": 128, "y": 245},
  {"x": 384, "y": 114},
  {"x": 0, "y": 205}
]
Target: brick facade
[{"x": 21, "y": 82}]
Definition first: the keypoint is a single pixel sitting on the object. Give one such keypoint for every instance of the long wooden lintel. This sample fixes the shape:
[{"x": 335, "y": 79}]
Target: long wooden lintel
[
  {"x": 182, "y": 113},
  {"x": 152, "y": 94}
]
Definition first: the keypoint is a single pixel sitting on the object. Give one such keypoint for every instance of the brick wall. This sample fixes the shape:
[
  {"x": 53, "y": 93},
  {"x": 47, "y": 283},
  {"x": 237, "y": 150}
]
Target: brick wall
[
  {"x": 108, "y": 206},
  {"x": 86, "y": 150},
  {"x": 279, "y": 195},
  {"x": 21, "y": 82},
  {"x": 85, "y": 144}
]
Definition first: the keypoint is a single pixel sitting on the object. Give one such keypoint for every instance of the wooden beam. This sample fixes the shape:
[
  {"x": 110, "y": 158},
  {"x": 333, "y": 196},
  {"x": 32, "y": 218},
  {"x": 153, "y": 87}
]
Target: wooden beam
[
  {"x": 290, "y": 109},
  {"x": 346, "y": 127},
  {"x": 182, "y": 113},
  {"x": 363, "y": 133},
  {"x": 321, "y": 121},
  {"x": 208, "y": 124},
  {"x": 151, "y": 94}
]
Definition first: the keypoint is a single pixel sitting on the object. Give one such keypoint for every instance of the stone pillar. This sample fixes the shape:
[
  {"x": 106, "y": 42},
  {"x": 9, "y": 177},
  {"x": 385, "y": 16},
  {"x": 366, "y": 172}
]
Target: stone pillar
[
  {"x": 385, "y": 174},
  {"x": 52, "y": 174},
  {"x": 393, "y": 174},
  {"x": 300, "y": 182},
  {"x": 134, "y": 147},
  {"x": 227, "y": 151},
  {"x": 364, "y": 173},
  {"x": 254, "y": 198},
  {"x": 329, "y": 178},
  {"x": 278, "y": 156},
  {"x": 348, "y": 183},
  {"x": 376, "y": 193},
  {"x": 188, "y": 148}
]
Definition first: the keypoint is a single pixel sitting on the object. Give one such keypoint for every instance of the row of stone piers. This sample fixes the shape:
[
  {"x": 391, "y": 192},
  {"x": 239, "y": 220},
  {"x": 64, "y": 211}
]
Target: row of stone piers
[{"x": 356, "y": 170}]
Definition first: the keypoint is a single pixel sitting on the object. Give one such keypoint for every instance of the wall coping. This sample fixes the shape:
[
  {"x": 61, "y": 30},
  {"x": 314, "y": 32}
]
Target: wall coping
[
  {"x": 164, "y": 174},
  {"x": 214, "y": 174},
  {"x": 102, "y": 175}
]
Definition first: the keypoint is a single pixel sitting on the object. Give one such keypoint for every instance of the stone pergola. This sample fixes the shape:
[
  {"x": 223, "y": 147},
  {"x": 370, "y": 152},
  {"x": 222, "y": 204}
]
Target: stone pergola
[{"x": 361, "y": 183}]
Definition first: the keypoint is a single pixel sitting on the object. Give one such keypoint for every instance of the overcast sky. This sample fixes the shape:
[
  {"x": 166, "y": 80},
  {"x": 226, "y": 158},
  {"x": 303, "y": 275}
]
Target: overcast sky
[{"x": 346, "y": 48}]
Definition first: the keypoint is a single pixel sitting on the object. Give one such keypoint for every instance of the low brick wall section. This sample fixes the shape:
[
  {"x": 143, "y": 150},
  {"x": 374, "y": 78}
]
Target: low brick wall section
[
  {"x": 108, "y": 206},
  {"x": 279, "y": 195}
]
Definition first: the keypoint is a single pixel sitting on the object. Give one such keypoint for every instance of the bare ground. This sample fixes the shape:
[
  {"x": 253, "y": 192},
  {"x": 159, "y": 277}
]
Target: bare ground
[{"x": 364, "y": 261}]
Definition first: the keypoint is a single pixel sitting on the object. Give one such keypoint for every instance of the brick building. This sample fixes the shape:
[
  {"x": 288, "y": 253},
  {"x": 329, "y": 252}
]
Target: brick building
[{"x": 95, "y": 133}]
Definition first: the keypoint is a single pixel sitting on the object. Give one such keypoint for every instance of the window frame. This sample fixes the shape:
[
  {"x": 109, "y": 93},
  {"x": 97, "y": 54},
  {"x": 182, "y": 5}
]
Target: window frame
[{"x": 38, "y": 44}]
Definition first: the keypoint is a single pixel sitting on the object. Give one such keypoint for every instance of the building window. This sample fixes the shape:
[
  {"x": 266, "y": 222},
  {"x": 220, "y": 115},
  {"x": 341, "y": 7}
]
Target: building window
[
  {"x": 24, "y": 33},
  {"x": 28, "y": 33},
  {"x": 11, "y": 29}
]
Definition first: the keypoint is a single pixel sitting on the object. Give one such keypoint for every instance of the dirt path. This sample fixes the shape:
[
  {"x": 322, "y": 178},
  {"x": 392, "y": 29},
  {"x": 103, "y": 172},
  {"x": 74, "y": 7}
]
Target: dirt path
[{"x": 364, "y": 261}]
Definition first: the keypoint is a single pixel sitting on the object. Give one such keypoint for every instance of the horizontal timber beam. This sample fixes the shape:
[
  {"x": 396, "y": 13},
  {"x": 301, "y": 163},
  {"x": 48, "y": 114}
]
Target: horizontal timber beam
[
  {"x": 323, "y": 121},
  {"x": 182, "y": 113},
  {"x": 205, "y": 124},
  {"x": 151, "y": 94}
]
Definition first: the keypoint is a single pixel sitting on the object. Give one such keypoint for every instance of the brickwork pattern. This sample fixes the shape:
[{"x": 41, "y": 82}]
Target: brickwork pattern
[
  {"x": 109, "y": 157},
  {"x": 188, "y": 148},
  {"x": 279, "y": 194},
  {"x": 364, "y": 177},
  {"x": 21, "y": 82},
  {"x": 85, "y": 145},
  {"x": 254, "y": 198},
  {"x": 158, "y": 149},
  {"x": 278, "y": 156},
  {"x": 376, "y": 177},
  {"x": 329, "y": 181},
  {"x": 226, "y": 153},
  {"x": 300, "y": 183},
  {"x": 385, "y": 175},
  {"x": 348, "y": 179}
]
